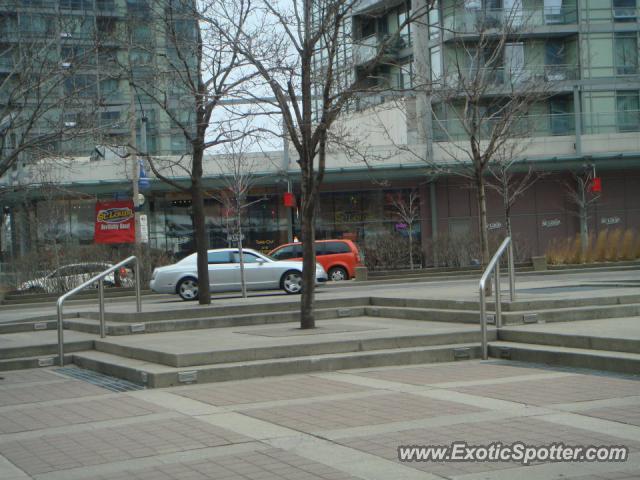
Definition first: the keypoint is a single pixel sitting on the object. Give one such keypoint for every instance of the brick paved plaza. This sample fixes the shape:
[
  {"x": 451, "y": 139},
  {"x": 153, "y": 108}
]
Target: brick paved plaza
[{"x": 341, "y": 425}]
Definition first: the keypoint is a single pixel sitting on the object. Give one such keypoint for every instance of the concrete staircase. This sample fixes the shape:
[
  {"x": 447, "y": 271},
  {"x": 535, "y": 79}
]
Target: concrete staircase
[
  {"x": 522, "y": 338},
  {"x": 602, "y": 345}
]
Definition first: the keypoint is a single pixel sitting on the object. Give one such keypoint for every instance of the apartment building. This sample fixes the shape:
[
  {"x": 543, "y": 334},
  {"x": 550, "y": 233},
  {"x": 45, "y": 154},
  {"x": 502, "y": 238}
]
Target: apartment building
[
  {"x": 582, "y": 56},
  {"x": 95, "y": 46}
]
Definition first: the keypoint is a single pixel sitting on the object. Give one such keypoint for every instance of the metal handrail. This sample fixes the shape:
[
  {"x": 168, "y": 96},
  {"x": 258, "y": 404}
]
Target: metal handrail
[
  {"x": 98, "y": 278},
  {"x": 494, "y": 264}
]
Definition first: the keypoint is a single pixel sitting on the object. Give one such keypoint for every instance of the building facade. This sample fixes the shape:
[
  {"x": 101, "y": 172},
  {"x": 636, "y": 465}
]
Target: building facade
[{"x": 582, "y": 55}]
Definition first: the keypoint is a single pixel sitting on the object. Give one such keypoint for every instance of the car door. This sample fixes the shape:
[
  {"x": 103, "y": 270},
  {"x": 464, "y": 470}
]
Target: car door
[
  {"x": 259, "y": 274},
  {"x": 222, "y": 274}
]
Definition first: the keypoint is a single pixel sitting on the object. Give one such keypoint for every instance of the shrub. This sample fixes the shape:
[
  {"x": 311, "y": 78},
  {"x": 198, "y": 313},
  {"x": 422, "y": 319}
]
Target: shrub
[{"x": 390, "y": 251}]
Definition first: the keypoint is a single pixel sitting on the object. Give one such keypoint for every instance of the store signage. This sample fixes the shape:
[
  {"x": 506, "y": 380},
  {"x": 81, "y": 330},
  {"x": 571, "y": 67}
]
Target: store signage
[
  {"x": 115, "y": 222},
  {"x": 144, "y": 229},
  {"x": 555, "y": 222},
  {"x": 610, "y": 220},
  {"x": 289, "y": 199}
]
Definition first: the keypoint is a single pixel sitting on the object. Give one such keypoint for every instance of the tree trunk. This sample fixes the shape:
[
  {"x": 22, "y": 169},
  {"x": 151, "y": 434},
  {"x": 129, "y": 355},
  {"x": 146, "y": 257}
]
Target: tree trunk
[
  {"x": 482, "y": 214},
  {"x": 200, "y": 232},
  {"x": 410, "y": 246},
  {"x": 484, "y": 237},
  {"x": 584, "y": 217},
  {"x": 243, "y": 283},
  {"x": 308, "y": 230}
]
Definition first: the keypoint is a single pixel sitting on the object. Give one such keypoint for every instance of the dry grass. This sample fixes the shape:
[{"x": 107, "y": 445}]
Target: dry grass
[{"x": 609, "y": 246}]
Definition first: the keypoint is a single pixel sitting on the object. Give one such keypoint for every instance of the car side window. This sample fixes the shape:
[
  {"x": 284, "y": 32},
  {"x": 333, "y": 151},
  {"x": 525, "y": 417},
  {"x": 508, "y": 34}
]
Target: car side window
[
  {"x": 321, "y": 248},
  {"x": 219, "y": 257},
  {"x": 283, "y": 253},
  {"x": 248, "y": 257},
  {"x": 337, "y": 247}
]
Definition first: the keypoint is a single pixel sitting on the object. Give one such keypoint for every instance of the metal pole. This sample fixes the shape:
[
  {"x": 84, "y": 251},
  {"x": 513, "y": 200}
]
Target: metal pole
[
  {"x": 138, "y": 296},
  {"x": 498, "y": 304},
  {"x": 101, "y": 303},
  {"x": 483, "y": 323},
  {"x": 512, "y": 273},
  {"x": 60, "y": 336}
]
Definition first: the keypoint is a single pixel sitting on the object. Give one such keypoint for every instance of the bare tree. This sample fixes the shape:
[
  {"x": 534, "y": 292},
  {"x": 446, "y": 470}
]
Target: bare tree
[
  {"x": 296, "y": 47},
  {"x": 511, "y": 182},
  {"x": 407, "y": 208},
  {"x": 581, "y": 196},
  {"x": 201, "y": 74},
  {"x": 237, "y": 169}
]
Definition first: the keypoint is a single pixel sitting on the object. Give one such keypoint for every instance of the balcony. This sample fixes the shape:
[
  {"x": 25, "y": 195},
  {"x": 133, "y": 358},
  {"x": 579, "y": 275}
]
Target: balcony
[
  {"x": 467, "y": 21},
  {"x": 510, "y": 77},
  {"x": 549, "y": 125},
  {"x": 366, "y": 49}
]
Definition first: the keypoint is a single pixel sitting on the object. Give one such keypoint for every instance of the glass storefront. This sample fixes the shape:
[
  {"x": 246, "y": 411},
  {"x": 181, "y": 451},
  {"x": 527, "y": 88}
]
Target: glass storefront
[{"x": 359, "y": 215}]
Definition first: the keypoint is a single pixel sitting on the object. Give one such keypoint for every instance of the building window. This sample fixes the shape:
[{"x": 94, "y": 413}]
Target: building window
[
  {"x": 80, "y": 85},
  {"x": 561, "y": 120},
  {"x": 626, "y": 53},
  {"x": 105, "y": 5},
  {"x": 367, "y": 26},
  {"x": 436, "y": 63},
  {"x": 76, "y": 4},
  {"x": 627, "y": 111},
  {"x": 624, "y": 10}
]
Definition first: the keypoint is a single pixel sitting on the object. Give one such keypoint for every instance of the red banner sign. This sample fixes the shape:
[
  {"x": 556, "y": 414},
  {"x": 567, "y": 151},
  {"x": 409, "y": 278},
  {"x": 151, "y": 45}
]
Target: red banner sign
[{"x": 115, "y": 222}]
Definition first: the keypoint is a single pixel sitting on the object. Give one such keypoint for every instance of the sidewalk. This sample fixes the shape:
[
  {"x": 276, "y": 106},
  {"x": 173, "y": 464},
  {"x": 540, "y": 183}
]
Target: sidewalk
[{"x": 333, "y": 426}]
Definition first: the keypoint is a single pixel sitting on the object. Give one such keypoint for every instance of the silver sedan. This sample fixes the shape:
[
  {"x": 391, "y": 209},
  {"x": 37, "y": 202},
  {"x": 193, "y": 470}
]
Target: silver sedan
[{"x": 261, "y": 273}]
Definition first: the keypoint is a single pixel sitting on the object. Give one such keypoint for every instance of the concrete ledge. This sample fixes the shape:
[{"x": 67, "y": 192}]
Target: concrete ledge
[
  {"x": 567, "y": 357},
  {"x": 157, "y": 376}
]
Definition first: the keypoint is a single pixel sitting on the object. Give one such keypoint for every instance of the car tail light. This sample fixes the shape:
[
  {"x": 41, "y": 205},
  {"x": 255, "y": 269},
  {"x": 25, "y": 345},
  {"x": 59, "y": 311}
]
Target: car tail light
[{"x": 123, "y": 272}]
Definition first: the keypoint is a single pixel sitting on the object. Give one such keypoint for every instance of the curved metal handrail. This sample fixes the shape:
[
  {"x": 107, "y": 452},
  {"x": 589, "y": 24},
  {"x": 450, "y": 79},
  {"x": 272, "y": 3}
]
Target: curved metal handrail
[
  {"x": 98, "y": 278},
  {"x": 494, "y": 264}
]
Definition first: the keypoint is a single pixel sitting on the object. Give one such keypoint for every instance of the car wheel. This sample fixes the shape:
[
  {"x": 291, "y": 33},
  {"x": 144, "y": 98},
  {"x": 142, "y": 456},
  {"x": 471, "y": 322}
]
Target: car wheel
[
  {"x": 337, "y": 274},
  {"x": 188, "y": 289},
  {"x": 291, "y": 282}
]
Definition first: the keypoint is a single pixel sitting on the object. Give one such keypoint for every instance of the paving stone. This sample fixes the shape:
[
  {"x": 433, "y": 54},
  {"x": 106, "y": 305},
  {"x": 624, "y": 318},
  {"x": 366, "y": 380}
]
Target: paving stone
[
  {"x": 253, "y": 391},
  {"x": 574, "y": 388},
  {"x": 529, "y": 430},
  {"x": 272, "y": 464},
  {"x": 24, "y": 394},
  {"x": 47, "y": 453},
  {"x": 27, "y": 376},
  {"x": 434, "y": 374},
  {"x": 374, "y": 410},
  {"x": 624, "y": 414},
  {"x": 21, "y": 419}
]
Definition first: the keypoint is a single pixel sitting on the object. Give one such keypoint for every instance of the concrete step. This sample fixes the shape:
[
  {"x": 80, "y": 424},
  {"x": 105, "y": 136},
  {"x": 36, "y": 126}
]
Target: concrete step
[
  {"x": 91, "y": 325},
  {"x": 225, "y": 310},
  {"x": 589, "y": 312},
  {"x": 571, "y": 340},
  {"x": 43, "y": 349},
  {"x": 621, "y": 362},
  {"x": 45, "y": 323},
  {"x": 548, "y": 304},
  {"x": 154, "y": 375},
  {"x": 32, "y": 362},
  {"x": 286, "y": 350},
  {"x": 18, "y": 299},
  {"x": 424, "y": 314}
]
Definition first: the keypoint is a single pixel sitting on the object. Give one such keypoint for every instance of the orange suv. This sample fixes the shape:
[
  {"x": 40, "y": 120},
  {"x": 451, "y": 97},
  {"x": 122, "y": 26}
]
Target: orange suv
[{"x": 338, "y": 257}]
